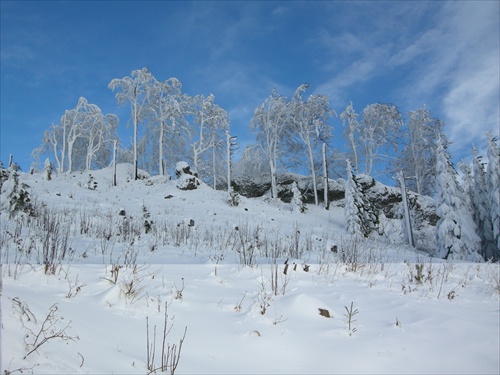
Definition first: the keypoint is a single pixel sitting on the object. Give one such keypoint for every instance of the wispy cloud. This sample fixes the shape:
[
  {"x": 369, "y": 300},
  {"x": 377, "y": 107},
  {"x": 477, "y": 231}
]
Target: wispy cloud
[{"x": 447, "y": 56}]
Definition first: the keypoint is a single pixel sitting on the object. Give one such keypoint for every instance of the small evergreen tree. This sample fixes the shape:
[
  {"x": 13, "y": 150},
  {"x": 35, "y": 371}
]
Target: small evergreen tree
[
  {"x": 358, "y": 211},
  {"x": 4, "y": 175},
  {"x": 297, "y": 199},
  {"x": 480, "y": 207},
  {"x": 18, "y": 197},
  {"x": 456, "y": 230}
]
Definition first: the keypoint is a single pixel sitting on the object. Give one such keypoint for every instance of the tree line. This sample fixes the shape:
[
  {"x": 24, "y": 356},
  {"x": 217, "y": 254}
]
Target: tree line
[
  {"x": 168, "y": 126},
  {"x": 291, "y": 134}
]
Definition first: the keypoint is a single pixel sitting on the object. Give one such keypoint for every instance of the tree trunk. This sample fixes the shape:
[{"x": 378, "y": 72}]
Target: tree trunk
[
  {"x": 325, "y": 176},
  {"x": 136, "y": 175},
  {"x": 313, "y": 173},
  {"x": 274, "y": 187},
  {"x": 213, "y": 167},
  {"x": 228, "y": 162},
  {"x": 160, "y": 147},
  {"x": 409, "y": 232},
  {"x": 70, "y": 156},
  {"x": 114, "y": 162}
]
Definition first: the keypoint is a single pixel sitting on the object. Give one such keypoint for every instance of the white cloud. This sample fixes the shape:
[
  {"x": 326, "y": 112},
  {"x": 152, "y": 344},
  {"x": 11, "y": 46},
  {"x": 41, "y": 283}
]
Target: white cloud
[
  {"x": 472, "y": 99},
  {"x": 448, "y": 58}
]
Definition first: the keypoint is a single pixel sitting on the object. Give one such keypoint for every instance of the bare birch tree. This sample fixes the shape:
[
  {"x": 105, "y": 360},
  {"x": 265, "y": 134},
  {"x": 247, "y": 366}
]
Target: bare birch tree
[
  {"x": 270, "y": 121},
  {"x": 133, "y": 89},
  {"x": 310, "y": 126}
]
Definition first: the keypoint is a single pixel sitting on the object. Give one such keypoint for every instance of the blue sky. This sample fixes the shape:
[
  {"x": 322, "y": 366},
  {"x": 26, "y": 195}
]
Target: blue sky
[{"x": 442, "y": 54}]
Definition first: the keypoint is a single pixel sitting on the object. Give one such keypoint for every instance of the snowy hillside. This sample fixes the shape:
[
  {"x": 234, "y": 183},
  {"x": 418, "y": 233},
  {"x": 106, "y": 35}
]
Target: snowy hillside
[{"x": 145, "y": 277}]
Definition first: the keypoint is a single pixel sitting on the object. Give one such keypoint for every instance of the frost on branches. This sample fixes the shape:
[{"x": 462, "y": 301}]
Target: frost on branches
[
  {"x": 358, "y": 212},
  {"x": 297, "y": 199},
  {"x": 18, "y": 197},
  {"x": 352, "y": 203},
  {"x": 456, "y": 230},
  {"x": 493, "y": 183}
]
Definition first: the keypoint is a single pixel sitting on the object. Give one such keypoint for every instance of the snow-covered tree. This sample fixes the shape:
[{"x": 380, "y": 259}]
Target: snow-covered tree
[
  {"x": 456, "y": 230},
  {"x": 4, "y": 175},
  {"x": 418, "y": 159},
  {"x": 309, "y": 126},
  {"x": 353, "y": 202},
  {"x": 18, "y": 197},
  {"x": 297, "y": 199},
  {"x": 493, "y": 184},
  {"x": 84, "y": 138},
  {"x": 54, "y": 143},
  {"x": 213, "y": 122},
  {"x": 270, "y": 121},
  {"x": 351, "y": 131},
  {"x": 100, "y": 136},
  {"x": 133, "y": 89},
  {"x": 47, "y": 167},
  {"x": 168, "y": 127},
  {"x": 231, "y": 146},
  {"x": 380, "y": 129},
  {"x": 358, "y": 211},
  {"x": 325, "y": 177},
  {"x": 479, "y": 201}
]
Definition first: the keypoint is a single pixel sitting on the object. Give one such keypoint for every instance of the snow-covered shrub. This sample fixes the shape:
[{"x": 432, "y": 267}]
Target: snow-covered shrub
[
  {"x": 233, "y": 198},
  {"x": 91, "y": 183},
  {"x": 147, "y": 219},
  {"x": 47, "y": 167},
  {"x": 297, "y": 199},
  {"x": 18, "y": 196}
]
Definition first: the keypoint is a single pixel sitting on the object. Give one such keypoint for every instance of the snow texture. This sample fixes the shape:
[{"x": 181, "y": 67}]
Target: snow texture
[{"x": 248, "y": 282}]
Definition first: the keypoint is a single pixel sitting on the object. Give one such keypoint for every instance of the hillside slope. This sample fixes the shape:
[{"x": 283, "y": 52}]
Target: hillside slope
[{"x": 256, "y": 288}]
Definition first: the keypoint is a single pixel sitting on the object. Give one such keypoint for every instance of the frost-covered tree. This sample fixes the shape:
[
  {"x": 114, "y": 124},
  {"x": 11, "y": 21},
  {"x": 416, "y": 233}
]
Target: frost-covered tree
[
  {"x": 47, "y": 167},
  {"x": 325, "y": 177},
  {"x": 358, "y": 211},
  {"x": 253, "y": 166},
  {"x": 493, "y": 184},
  {"x": 478, "y": 194},
  {"x": 4, "y": 175},
  {"x": 456, "y": 230},
  {"x": 309, "y": 126},
  {"x": 83, "y": 138},
  {"x": 18, "y": 197},
  {"x": 297, "y": 199},
  {"x": 270, "y": 121},
  {"x": 351, "y": 131},
  {"x": 213, "y": 122},
  {"x": 133, "y": 89},
  {"x": 168, "y": 127},
  {"x": 353, "y": 202},
  {"x": 418, "y": 159},
  {"x": 54, "y": 143},
  {"x": 99, "y": 137},
  {"x": 379, "y": 132}
]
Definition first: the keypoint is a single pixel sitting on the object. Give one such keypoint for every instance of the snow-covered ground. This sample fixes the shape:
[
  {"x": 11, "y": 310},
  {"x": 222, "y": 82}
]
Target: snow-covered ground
[{"x": 217, "y": 274}]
